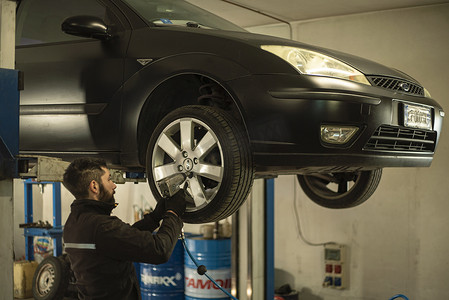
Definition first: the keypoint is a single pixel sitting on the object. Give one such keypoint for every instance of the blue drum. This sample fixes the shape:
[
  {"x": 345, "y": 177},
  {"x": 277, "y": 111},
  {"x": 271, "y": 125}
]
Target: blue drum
[
  {"x": 137, "y": 267},
  {"x": 164, "y": 281},
  {"x": 216, "y": 256}
]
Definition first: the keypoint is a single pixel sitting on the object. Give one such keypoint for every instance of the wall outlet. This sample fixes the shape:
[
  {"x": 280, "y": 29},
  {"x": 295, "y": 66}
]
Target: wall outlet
[{"x": 335, "y": 273}]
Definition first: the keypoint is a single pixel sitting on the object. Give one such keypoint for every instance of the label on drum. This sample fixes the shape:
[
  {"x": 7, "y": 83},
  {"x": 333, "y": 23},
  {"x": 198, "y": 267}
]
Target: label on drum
[
  {"x": 164, "y": 281},
  {"x": 201, "y": 287}
]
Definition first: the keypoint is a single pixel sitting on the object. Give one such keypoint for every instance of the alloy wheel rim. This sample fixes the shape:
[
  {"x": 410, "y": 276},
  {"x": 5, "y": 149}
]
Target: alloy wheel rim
[{"x": 189, "y": 146}]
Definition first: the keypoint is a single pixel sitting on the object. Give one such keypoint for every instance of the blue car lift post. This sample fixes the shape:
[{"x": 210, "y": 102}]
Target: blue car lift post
[
  {"x": 269, "y": 238},
  {"x": 253, "y": 244},
  {"x": 9, "y": 148}
]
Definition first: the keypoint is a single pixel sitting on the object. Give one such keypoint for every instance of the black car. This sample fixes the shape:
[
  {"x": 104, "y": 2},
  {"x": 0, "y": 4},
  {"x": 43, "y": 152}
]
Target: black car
[{"x": 165, "y": 87}]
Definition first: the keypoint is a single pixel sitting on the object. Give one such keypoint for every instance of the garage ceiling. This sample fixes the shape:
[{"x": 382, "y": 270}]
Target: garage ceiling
[{"x": 299, "y": 10}]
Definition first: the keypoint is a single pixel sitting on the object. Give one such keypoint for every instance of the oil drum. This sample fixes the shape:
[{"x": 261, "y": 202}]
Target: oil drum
[
  {"x": 216, "y": 256},
  {"x": 164, "y": 281}
]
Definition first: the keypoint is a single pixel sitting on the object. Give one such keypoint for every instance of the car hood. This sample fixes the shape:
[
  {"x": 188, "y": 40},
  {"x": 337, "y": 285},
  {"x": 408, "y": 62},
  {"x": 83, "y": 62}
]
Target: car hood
[{"x": 365, "y": 66}]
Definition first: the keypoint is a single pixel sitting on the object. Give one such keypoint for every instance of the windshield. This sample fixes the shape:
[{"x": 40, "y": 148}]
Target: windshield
[{"x": 179, "y": 12}]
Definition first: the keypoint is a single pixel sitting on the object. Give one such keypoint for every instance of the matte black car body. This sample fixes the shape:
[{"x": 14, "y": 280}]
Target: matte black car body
[{"x": 106, "y": 96}]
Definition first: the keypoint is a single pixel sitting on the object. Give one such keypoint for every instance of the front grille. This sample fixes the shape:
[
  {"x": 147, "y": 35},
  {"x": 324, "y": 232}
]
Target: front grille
[
  {"x": 389, "y": 138},
  {"x": 395, "y": 84}
]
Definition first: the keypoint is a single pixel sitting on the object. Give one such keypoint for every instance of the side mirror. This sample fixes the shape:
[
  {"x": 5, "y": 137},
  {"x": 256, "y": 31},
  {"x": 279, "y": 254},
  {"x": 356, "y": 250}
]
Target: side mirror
[{"x": 86, "y": 26}]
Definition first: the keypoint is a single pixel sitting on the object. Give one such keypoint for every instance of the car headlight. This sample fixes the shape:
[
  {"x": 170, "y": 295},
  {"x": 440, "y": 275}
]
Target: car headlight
[{"x": 314, "y": 63}]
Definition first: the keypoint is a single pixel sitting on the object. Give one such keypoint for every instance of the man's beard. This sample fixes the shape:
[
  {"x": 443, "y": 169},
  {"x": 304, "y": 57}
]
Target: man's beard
[{"x": 105, "y": 196}]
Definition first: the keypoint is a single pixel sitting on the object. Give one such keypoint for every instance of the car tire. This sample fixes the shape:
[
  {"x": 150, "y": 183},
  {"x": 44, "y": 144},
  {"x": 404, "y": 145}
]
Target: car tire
[
  {"x": 213, "y": 152},
  {"x": 50, "y": 280},
  {"x": 318, "y": 187}
]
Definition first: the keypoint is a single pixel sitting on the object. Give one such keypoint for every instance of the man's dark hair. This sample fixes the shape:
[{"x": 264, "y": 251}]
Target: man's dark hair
[{"x": 80, "y": 173}]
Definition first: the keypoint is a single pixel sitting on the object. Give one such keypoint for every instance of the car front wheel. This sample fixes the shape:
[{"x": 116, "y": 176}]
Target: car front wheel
[
  {"x": 340, "y": 190},
  {"x": 212, "y": 151}
]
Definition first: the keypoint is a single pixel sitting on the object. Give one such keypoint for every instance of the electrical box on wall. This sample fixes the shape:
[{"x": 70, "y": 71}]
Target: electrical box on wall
[{"x": 335, "y": 266}]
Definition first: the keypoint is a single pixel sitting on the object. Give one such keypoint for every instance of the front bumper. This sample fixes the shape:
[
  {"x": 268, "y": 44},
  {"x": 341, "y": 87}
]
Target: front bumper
[{"x": 284, "y": 113}]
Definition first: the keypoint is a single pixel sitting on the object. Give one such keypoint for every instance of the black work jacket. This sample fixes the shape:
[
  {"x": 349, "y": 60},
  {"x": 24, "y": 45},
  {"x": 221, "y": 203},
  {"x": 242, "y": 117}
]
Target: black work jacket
[{"x": 102, "y": 249}]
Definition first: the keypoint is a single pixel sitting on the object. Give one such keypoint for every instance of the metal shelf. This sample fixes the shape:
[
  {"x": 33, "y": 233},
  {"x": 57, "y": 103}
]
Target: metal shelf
[{"x": 55, "y": 233}]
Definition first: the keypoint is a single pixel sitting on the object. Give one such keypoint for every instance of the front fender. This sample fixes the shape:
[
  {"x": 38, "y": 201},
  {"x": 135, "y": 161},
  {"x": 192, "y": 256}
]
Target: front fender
[{"x": 146, "y": 80}]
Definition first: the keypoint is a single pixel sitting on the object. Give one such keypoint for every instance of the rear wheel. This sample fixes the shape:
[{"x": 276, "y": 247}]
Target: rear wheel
[
  {"x": 212, "y": 150},
  {"x": 340, "y": 190}
]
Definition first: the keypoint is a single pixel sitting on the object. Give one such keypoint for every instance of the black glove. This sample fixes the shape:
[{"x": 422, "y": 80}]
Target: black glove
[
  {"x": 160, "y": 209},
  {"x": 177, "y": 203},
  {"x": 151, "y": 221}
]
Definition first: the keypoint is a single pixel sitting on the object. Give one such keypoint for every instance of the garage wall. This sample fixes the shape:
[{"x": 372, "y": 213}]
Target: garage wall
[{"x": 398, "y": 239}]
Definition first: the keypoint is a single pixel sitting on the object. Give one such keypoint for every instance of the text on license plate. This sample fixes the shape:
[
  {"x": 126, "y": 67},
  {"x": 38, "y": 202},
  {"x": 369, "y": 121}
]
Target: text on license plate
[{"x": 417, "y": 116}]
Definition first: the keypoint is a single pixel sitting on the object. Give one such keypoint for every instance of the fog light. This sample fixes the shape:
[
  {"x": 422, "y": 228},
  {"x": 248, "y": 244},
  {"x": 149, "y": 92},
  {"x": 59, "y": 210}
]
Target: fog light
[{"x": 337, "y": 134}]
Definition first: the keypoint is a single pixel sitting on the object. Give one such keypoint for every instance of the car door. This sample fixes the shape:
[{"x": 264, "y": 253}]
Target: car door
[{"x": 71, "y": 98}]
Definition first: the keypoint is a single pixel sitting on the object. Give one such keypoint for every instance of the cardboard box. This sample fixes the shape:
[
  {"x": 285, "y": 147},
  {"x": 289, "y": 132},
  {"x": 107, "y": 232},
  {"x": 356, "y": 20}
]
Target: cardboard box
[{"x": 23, "y": 278}]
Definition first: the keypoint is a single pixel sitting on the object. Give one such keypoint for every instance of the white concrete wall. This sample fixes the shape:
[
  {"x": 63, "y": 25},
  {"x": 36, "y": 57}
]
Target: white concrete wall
[{"x": 398, "y": 239}]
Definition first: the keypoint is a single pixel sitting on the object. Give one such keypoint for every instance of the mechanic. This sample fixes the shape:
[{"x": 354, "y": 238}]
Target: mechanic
[{"x": 101, "y": 247}]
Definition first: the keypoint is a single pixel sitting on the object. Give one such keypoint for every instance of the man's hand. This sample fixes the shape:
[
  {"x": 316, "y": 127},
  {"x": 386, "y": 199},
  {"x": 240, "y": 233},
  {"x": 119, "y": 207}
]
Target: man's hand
[{"x": 177, "y": 203}]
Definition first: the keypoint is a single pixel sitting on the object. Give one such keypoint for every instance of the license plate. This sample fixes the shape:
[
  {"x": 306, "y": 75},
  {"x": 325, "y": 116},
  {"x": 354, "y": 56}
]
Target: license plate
[{"x": 417, "y": 117}]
